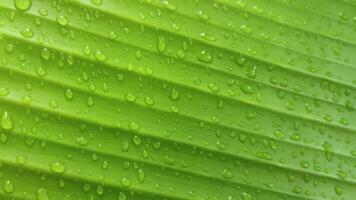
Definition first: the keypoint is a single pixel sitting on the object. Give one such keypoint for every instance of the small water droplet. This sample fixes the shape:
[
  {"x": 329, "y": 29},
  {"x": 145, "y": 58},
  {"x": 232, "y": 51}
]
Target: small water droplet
[
  {"x": 97, "y": 2},
  {"x": 161, "y": 44},
  {"x": 4, "y": 92},
  {"x": 100, "y": 56},
  {"x": 62, "y": 20},
  {"x": 45, "y": 54},
  {"x": 69, "y": 94},
  {"x": 27, "y": 32},
  {"x": 205, "y": 56},
  {"x": 125, "y": 182},
  {"x": 130, "y": 97},
  {"x": 8, "y": 187},
  {"x": 58, "y": 167},
  {"x": 41, "y": 194}
]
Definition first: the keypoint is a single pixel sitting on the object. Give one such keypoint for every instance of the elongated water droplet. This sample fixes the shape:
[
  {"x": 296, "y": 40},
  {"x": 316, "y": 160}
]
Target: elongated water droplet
[
  {"x": 141, "y": 176},
  {"x": 6, "y": 121},
  {"x": 161, "y": 43}
]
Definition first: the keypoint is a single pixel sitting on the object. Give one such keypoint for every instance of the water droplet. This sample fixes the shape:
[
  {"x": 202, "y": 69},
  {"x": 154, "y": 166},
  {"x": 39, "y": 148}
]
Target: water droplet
[
  {"x": 8, "y": 187},
  {"x": 97, "y": 2},
  {"x": 86, "y": 50},
  {"x": 168, "y": 5},
  {"x": 122, "y": 196},
  {"x": 134, "y": 126},
  {"x": 27, "y": 32},
  {"x": 246, "y": 88},
  {"x": 328, "y": 151},
  {"x": 4, "y": 92},
  {"x": 100, "y": 56},
  {"x": 43, "y": 12},
  {"x": 136, "y": 140},
  {"x": 125, "y": 182},
  {"x": 207, "y": 37},
  {"x": 205, "y": 56},
  {"x": 251, "y": 72},
  {"x": 220, "y": 145},
  {"x": 90, "y": 102},
  {"x": 338, "y": 190},
  {"x": 169, "y": 161},
  {"x": 40, "y": 71},
  {"x": 174, "y": 94},
  {"x": 62, "y": 20},
  {"x": 45, "y": 54},
  {"x": 203, "y": 15},
  {"x": 141, "y": 176},
  {"x": 53, "y": 104},
  {"x": 130, "y": 97},
  {"x": 69, "y": 94},
  {"x": 213, "y": 87},
  {"x": 124, "y": 146},
  {"x": 21, "y": 159},
  {"x": 149, "y": 101},
  {"x": 226, "y": 174},
  {"x": 246, "y": 196},
  {"x": 58, "y": 167},
  {"x": 23, "y": 5},
  {"x": 6, "y": 121},
  {"x": 41, "y": 194},
  {"x": 161, "y": 44},
  {"x": 82, "y": 141},
  {"x": 246, "y": 29},
  {"x": 100, "y": 190}
]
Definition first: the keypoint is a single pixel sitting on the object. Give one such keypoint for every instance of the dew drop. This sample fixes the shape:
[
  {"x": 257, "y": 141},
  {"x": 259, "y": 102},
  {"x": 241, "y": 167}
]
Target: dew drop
[
  {"x": 23, "y": 5},
  {"x": 69, "y": 94},
  {"x": 97, "y": 2},
  {"x": 100, "y": 56},
  {"x": 4, "y": 92},
  {"x": 6, "y": 121},
  {"x": 62, "y": 20},
  {"x": 58, "y": 167},
  {"x": 205, "y": 56},
  {"x": 8, "y": 187},
  {"x": 41, "y": 194},
  {"x": 161, "y": 44},
  {"x": 125, "y": 182},
  {"x": 130, "y": 97},
  {"x": 27, "y": 32},
  {"x": 141, "y": 176}
]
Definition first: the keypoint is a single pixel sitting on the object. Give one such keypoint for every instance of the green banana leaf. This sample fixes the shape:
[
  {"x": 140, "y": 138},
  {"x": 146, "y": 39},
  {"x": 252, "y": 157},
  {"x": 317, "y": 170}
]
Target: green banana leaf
[{"x": 177, "y": 99}]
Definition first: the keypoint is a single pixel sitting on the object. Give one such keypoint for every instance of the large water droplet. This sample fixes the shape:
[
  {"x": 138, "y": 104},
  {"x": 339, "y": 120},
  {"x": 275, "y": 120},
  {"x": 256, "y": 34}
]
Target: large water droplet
[{"x": 23, "y": 5}]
